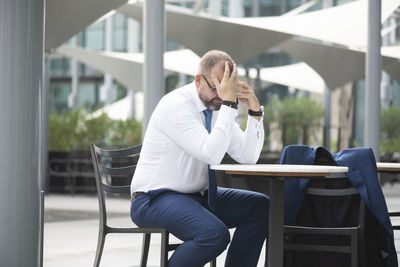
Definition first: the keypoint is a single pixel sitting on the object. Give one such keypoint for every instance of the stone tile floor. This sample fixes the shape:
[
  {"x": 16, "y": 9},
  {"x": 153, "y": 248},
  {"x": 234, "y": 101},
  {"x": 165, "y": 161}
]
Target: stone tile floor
[{"x": 71, "y": 227}]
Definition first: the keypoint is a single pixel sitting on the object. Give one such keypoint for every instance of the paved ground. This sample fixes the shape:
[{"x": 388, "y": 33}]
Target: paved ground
[{"x": 71, "y": 225}]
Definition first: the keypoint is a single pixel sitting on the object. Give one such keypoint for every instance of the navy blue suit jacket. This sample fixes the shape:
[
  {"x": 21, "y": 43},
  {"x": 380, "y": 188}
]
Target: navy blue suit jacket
[{"x": 362, "y": 174}]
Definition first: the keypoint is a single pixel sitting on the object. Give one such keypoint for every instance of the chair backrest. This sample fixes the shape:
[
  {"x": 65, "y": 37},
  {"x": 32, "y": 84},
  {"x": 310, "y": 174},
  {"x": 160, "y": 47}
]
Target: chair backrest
[
  {"x": 113, "y": 172},
  {"x": 331, "y": 202}
]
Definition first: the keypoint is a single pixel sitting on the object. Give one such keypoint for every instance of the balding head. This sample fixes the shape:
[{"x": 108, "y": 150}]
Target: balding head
[{"x": 211, "y": 58}]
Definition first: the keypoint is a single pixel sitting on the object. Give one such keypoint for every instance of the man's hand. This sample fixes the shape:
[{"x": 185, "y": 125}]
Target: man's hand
[
  {"x": 226, "y": 89},
  {"x": 246, "y": 95}
]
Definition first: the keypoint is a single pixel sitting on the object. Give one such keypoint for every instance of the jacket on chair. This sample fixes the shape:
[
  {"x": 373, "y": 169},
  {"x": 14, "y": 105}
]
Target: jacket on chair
[{"x": 363, "y": 176}]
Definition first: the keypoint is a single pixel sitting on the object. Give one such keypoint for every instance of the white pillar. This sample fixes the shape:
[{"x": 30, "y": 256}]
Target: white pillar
[
  {"x": 215, "y": 7},
  {"x": 44, "y": 100},
  {"x": 21, "y": 69},
  {"x": 153, "y": 67},
  {"x": 327, "y": 118},
  {"x": 133, "y": 47},
  {"x": 107, "y": 90},
  {"x": 327, "y": 100},
  {"x": 73, "y": 97},
  {"x": 373, "y": 70},
  {"x": 386, "y": 87},
  {"x": 255, "y": 8},
  {"x": 235, "y": 8},
  {"x": 326, "y": 3}
]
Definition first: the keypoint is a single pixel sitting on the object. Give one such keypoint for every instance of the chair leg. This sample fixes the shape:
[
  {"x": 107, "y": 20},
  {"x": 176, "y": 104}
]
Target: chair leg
[
  {"x": 164, "y": 250},
  {"x": 100, "y": 246},
  {"x": 145, "y": 249},
  {"x": 354, "y": 249}
]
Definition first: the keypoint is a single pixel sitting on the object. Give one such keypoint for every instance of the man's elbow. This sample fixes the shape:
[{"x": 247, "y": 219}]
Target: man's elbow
[
  {"x": 215, "y": 160},
  {"x": 252, "y": 159}
]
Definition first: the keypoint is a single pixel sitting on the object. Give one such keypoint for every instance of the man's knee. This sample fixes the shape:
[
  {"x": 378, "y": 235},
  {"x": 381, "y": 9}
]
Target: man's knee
[{"x": 216, "y": 238}]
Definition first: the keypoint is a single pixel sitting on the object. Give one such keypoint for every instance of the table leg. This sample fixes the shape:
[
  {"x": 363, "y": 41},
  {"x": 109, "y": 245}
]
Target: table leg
[{"x": 276, "y": 214}]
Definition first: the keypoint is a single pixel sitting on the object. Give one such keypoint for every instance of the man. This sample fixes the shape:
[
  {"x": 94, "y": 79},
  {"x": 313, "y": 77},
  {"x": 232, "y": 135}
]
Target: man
[{"x": 191, "y": 128}]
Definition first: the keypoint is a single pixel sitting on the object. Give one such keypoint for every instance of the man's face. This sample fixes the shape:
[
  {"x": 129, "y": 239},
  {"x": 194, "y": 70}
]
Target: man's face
[{"x": 209, "y": 97}]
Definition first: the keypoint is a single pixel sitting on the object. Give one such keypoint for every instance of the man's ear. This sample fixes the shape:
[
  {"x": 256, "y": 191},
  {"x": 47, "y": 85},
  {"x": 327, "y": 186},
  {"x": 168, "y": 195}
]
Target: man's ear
[{"x": 197, "y": 80}]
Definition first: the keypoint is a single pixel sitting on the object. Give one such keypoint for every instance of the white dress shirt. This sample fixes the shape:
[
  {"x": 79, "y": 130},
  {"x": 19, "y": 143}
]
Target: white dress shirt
[{"x": 177, "y": 147}]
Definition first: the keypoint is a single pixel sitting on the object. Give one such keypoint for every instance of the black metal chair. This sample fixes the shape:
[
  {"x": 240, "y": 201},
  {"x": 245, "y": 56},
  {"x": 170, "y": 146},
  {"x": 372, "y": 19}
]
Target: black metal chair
[
  {"x": 113, "y": 171},
  {"x": 337, "y": 234}
]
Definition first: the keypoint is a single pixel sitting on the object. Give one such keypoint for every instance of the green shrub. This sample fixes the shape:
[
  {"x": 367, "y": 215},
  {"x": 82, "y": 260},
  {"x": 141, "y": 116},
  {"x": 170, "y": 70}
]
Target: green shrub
[
  {"x": 126, "y": 133},
  {"x": 297, "y": 118},
  {"x": 74, "y": 131},
  {"x": 390, "y": 130}
]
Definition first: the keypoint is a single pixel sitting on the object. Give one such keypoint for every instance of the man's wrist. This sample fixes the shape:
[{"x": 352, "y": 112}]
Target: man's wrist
[
  {"x": 257, "y": 113},
  {"x": 230, "y": 104}
]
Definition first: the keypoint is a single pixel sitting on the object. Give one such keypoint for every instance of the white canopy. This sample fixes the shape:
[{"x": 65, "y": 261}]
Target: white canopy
[
  {"x": 201, "y": 32},
  {"x": 345, "y": 24},
  {"x": 120, "y": 110},
  {"x": 124, "y": 67},
  {"x": 65, "y": 18},
  {"x": 337, "y": 64},
  {"x": 127, "y": 68},
  {"x": 299, "y": 76},
  {"x": 392, "y": 61}
]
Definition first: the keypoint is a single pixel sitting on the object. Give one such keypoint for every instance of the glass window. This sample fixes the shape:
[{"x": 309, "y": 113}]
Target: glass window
[
  {"x": 59, "y": 95},
  {"x": 94, "y": 36},
  {"x": 339, "y": 2},
  {"x": 122, "y": 92},
  {"x": 396, "y": 93},
  {"x": 270, "y": 7},
  {"x": 60, "y": 67},
  {"x": 88, "y": 95},
  {"x": 291, "y": 4},
  {"x": 120, "y": 33}
]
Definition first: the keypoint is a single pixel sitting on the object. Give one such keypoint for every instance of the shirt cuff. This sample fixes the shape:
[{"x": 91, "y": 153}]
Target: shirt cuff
[{"x": 254, "y": 124}]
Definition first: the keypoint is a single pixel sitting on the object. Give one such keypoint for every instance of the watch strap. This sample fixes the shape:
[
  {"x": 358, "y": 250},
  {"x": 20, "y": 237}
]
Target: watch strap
[
  {"x": 230, "y": 104},
  {"x": 255, "y": 113}
]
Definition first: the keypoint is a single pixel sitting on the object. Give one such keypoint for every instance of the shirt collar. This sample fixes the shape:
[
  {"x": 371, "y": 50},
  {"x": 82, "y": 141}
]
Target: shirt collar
[{"x": 197, "y": 101}]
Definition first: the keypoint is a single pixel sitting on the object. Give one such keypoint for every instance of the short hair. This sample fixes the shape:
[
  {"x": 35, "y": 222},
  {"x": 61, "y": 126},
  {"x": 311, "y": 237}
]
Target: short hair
[{"x": 211, "y": 58}]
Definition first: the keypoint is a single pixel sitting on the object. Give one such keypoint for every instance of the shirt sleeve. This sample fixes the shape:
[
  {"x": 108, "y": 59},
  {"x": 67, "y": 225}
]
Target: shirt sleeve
[
  {"x": 184, "y": 128},
  {"x": 246, "y": 145}
]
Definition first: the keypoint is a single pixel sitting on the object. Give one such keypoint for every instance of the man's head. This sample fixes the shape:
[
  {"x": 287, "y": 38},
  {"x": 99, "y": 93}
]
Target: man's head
[{"x": 212, "y": 62}]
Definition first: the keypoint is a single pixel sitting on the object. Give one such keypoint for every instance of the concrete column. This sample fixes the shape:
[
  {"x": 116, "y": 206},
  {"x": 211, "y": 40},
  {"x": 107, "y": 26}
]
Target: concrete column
[
  {"x": 107, "y": 90},
  {"x": 255, "y": 8},
  {"x": 373, "y": 70},
  {"x": 327, "y": 100},
  {"x": 327, "y": 118},
  {"x": 235, "y": 8},
  {"x": 73, "y": 97},
  {"x": 283, "y": 6},
  {"x": 21, "y": 63},
  {"x": 133, "y": 47},
  {"x": 44, "y": 100},
  {"x": 154, "y": 46},
  {"x": 327, "y": 3},
  {"x": 215, "y": 7},
  {"x": 386, "y": 87},
  {"x": 133, "y": 36}
]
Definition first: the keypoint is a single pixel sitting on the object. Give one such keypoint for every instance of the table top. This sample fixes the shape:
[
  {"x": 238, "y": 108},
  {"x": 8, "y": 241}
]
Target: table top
[
  {"x": 388, "y": 166},
  {"x": 279, "y": 169}
]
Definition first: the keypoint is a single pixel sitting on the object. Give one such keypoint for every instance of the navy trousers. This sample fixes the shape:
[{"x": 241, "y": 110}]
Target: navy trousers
[{"x": 205, "y": 234}]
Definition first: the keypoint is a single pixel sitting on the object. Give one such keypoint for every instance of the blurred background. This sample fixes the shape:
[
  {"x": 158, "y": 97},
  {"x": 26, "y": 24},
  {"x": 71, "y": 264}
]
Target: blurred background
[{"x": 304, "y": 59}]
